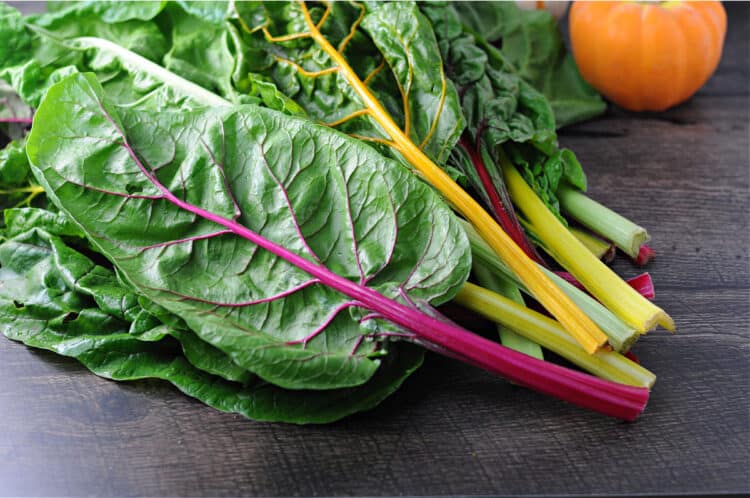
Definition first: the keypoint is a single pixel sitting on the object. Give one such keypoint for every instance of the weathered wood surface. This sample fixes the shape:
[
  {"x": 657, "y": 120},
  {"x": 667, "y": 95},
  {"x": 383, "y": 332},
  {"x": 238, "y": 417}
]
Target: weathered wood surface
[{"x": 453, "y": 430}]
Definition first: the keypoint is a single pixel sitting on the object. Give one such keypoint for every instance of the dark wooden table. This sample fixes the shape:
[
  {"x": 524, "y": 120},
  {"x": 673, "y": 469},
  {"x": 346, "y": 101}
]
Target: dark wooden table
[{"x": 454, "y": 430}]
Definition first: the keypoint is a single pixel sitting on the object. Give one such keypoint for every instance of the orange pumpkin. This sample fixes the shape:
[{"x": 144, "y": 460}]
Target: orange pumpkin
[{"x": 647, "y": 56}]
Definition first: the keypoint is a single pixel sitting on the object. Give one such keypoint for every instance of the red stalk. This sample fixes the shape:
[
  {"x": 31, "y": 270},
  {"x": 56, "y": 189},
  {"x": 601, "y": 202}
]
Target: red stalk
[
  {"x": 641, "y": 283},
  {"x": 504, "y": 215},
  {"x": 645, "y": 255}
]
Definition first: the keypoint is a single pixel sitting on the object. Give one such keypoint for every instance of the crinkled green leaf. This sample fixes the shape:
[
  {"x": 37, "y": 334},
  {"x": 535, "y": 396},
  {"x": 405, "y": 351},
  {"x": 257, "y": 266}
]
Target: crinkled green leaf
[
  {"x": 34, "y": 311},
  {"x": 268, "y": 95},
  {"x": 531, "y": 41},
  {"x": 15, "y": 42},
  {"x": 389, "y": 45},
  {"x": 85, "y": 277},
  {"x": 121, "y": 357},
  {"x": 55, "y": 271},
  {"x": 207, "y": 51},
  {"x": 502, "y": 111},
  {"x": 42, "y": 48},
  {"x": 315, "y": 192},
  {"x": 201, "y": 53},
  {"x": 210, "y": 52},
  {"x": 18, "y": 65},
  {"x": 47, "y": 57},
  {"x": 110, "y": 12},
  {"x": 212, "y": 12},
  {"x": 129, "y": 24},
  {"x": 496, "y": 102},
  {"x": 16, "y": 181},
  {"x": 406, "y": 41}
]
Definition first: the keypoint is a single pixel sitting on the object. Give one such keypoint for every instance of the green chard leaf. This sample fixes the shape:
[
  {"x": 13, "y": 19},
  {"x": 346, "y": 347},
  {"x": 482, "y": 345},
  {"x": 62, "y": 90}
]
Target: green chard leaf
[
  {"x": 531, "y": 41},
  {"x": 390, "y": 47},
  {"x": 496, "y": 102},
  {"x": 406, "y": 41},
  {"x": 204, "y": 47},
  {"x": 41, "y": 307},
  {"x": 209, "y": 11},
  {"x": 67, "y": 272},
  {"x": 503, "y": 112},
  {"x": 14, "y": 166},
  {"x": 129, "y": 24},
  {"x": 109, "y": 12},
  {"x": 327, "y": 199},
  {"x": 201, "y": 67},
  {"x": 42, "y": 49}
]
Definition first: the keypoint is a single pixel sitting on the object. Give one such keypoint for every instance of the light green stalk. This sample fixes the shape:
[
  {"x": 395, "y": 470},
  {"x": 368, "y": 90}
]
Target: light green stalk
[
  {"x": 509, "y": 289},
  {"x": 625, "y": 234}
]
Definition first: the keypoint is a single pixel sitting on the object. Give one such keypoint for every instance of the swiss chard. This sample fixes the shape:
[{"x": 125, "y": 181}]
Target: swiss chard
[
  {"x": 338, "y": 86},
  {"x": 625, "y": 234},
  {"x": 621, "y": 335},
  {"x": 531, "y": 44},
  {"x": 296, "y": 217},
  {"x": 306, "y": 49},
  {"x": 126, "y": 23},
  {"x": 501, "y": 109},
  {"x": 496, "y": 103},
  {"x": 16, "y": 185},
  {"x": 272, "y": 246},
  {"x": 595, "y": 276},
  {"x": 543, "y": 330}
]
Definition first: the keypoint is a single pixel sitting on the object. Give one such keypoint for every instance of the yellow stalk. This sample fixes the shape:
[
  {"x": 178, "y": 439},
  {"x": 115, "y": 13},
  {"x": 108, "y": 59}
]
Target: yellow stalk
[
  {"x": 597, "y": 277},
  {"x": 586, "y": 332},
  {"x": 548, "y": 333}
]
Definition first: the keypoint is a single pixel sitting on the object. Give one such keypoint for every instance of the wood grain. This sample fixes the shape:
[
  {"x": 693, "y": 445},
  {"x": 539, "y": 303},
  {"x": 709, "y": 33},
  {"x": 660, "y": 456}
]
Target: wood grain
[{"x": 454, "y": 430}]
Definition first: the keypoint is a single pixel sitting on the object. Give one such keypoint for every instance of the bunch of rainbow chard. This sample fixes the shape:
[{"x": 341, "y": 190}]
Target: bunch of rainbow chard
[{"x": 258, "y": 202}]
